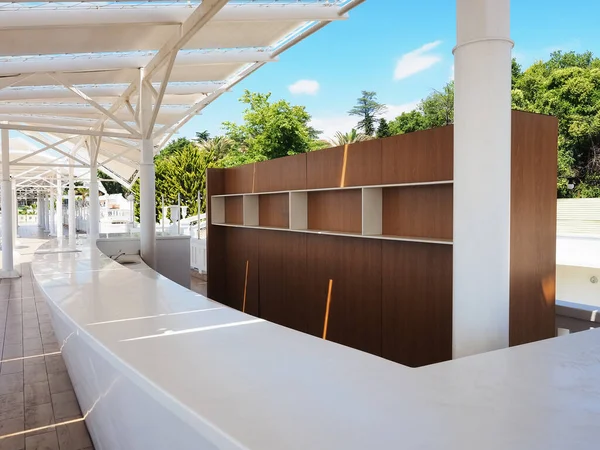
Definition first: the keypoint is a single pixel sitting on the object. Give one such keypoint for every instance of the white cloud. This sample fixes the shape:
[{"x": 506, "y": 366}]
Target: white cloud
[
  {"x": 331, "y": 124},
  {"x": 308, "y": 87},
  {"x": 452, "y": 73},
  {"x": 416, "y": 61}
]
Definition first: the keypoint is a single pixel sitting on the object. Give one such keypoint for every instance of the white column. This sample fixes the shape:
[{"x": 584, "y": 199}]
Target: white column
[
  {"x": 147, "y": 186},
  {"x": 59, "y": 207},
  {"x": 52, "y": 216},
  {"x": 8, "y": 269},
  {"x": 46, "y": 213},
  {"x": 94, "y": 211},
  {"x": 482, "y": 179},
  {"x": 71, "y": 206},
  {"x": 15, "y": 208},
  {"x": 39, "y": 209}
]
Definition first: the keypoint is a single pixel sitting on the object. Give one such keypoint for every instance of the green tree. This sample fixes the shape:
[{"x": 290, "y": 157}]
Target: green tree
[
  {"x": 202, "y": 136},
  {"x": 408, "y": 122},
  {"x": 112, "y": 187},
  {"x": 438, "y": 107},
  {"x": 174, "y": 146},
  {"x": 368, "y": 109},
  {"x": 384, "y": 129},
  {"x": 182, "y": 172},
  {"x": 270, "y": 129}
]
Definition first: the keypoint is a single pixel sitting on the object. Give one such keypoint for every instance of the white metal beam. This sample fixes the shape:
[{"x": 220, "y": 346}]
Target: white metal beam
[
  {"x": 83, "y": 132},
  {"x": 96, "y": 105}
]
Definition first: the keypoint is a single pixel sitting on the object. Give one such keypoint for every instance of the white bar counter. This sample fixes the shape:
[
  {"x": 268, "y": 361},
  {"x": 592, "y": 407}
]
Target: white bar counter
[{"x": 156, "y": 366}]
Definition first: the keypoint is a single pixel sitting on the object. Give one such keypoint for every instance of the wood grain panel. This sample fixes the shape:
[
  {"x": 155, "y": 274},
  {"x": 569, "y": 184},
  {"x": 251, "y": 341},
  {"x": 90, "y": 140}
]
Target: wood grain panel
[
  {"x": 234, "y": 210},
  {"x": 240, "y": 179},
  {"x": 363, "y": 163},
  {"x": 215, "y": 242},
  {"x": 335, "y": 210},
  {"x": 419, "y": 211},
  {"x": 533, "y": 227},
  {"x": 241, "y": 245},
  {"x": 281, "y": 174},
  {"x": 354, "y": 265},
  {"x": 420, "y": 156},
  {"x": 416, "y": 302},
  {"x": 282, "y": 278},
  {"x": 324, "y": 168},
  {"x": 274, "y": 210}
]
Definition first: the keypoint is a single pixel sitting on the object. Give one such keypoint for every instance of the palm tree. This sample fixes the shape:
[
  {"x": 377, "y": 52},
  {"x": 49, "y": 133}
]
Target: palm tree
[
  {"x": 349, "y": 138},
  {"x": 217, "y": 147}
]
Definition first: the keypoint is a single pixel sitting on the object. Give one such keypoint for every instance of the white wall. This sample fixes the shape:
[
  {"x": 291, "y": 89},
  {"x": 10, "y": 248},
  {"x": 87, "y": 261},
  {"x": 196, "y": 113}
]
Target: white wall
[{"x": 573, "y": 285}]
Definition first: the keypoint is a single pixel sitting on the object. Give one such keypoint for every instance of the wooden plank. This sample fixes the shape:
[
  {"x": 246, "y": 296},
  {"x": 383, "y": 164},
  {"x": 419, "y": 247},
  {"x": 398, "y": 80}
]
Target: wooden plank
[
  {"x": 324, "y": 168},
  {"x": 419, "y": 211},
  {"x": 354, "y": 265},
  {"x": 420, "y": 156},
  {"x": 240, "y": 179},
  {"x": 533, "y": 227},
  {"x": 234, "y": 210},
  {"x": 363, "y": 163},
  {"x": 216, "y": 238},
  {"x": 282, "y": 278},
  {"x": 335, "y": 210},
  {"x": 281, "y": 174},
  {"x": 241, "y": 246},
  {"x": 274, "y": 210},
  {"x": 416, "y": 302}
]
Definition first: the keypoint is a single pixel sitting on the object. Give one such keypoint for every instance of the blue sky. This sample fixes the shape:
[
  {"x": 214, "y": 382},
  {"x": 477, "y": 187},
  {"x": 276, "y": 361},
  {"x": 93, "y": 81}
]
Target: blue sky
[{"x": 400, "y": 49}]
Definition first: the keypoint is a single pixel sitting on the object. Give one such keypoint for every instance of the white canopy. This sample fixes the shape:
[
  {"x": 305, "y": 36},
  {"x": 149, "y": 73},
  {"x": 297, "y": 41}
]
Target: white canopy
[{"x": 71, "y": 72}]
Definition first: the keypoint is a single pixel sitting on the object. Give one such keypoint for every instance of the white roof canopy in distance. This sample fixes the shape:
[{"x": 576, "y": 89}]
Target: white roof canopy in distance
[{"x": 70, "y": 72}]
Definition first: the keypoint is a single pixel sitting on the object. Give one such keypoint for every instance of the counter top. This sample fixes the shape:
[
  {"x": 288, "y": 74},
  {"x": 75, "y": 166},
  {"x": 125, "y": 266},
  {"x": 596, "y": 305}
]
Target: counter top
[{"x": 245, "y": 383}]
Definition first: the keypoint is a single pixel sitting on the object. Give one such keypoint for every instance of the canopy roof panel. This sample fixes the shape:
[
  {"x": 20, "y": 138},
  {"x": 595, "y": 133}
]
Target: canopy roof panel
[{"x": 75, "y": 71}]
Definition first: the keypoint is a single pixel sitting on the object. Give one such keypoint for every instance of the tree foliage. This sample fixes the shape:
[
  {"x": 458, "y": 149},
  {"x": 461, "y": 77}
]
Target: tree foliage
[
  {"x": 270, "y": 129},
  {"x": 383, "y": 130},
  {"x": 368, "y": 109}
]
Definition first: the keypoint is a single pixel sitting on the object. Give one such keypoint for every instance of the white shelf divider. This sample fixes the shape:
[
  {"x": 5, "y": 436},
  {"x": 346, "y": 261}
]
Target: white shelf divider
[
  {"x": 372, "y": 211},
  {"x": 298, "y": 210},
  {"x": 217, "y": 209},
  {"x": 250, "y": 207}
]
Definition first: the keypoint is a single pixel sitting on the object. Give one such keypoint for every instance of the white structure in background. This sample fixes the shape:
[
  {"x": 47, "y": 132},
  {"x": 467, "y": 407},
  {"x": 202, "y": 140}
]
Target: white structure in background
[{"x": 578, "y": 251}]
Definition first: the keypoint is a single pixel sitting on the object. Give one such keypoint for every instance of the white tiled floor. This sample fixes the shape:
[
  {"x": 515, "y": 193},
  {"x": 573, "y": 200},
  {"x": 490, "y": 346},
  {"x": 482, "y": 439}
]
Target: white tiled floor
[{"x": 38, "y": 407}]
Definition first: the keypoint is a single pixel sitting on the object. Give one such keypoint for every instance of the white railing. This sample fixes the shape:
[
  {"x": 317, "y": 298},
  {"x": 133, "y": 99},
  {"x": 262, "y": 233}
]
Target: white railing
[{"x": 198, "y": 254}]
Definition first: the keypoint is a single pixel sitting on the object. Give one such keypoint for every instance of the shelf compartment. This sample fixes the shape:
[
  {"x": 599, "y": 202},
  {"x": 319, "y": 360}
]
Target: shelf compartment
[
  {"x": 337, "y": 211},
  {"x": 274, "y": 210},
  {"x": 418, "y": 211},
  {"x": 233, "y": 210}
]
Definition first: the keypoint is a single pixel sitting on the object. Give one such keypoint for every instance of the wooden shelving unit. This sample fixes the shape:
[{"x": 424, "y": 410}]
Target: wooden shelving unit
[{"x": 357, "y": 211}]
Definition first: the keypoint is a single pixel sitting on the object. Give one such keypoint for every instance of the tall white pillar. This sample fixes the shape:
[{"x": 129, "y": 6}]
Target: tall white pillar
[
  {"x": 15, "y": 208},
  {"x": 46, "y": 213},
  {"x": 52, "y": 216},
  {"x": 8, "y": 268},
  {"x": 59, "y": 207},
  {"x": 71, "y": 206},
  {"x": 482, "y": 179},
  {"x": 39, "y": 209},
  {"x": 147, "y": 182},
  {"x": 94, "y": 209}
]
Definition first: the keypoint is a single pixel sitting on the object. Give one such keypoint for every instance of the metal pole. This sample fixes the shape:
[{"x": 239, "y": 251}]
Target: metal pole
[
  {"x": 94, "y": 209},
  {"x": 59, "y": 207},
  {"x": 164, "y": 216},
  {"x": 147, "y": 181},
  {"x": 198, "y": 215},
  {"x": 8, "y": 269},
  {"x": 52, "y": 217},
  {"x": 15, "y": 208},
  {"x": 71, "y": 206},
  {"x": 178, "y": 214}
]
